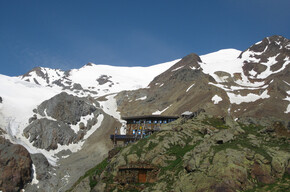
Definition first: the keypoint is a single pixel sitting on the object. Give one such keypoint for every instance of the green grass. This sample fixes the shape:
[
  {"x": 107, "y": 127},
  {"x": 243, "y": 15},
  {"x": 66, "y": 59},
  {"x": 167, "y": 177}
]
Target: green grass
[{"x": 215, "y": 122}]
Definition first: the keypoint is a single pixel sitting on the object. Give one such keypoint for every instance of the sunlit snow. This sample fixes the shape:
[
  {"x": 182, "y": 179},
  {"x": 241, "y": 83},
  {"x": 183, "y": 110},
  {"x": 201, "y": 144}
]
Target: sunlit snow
[{"x": 216, "y": 99}]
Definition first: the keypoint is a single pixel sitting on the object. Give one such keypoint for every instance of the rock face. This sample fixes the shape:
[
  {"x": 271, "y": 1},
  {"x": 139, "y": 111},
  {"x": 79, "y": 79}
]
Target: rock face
[
  {"x": 60, "y": 113},
  {"x": 66, "y": 108},
  {"x": 201, "y": 154},
  {"x": 46, "y": 134},
  {"x": 15, "y": 166}
]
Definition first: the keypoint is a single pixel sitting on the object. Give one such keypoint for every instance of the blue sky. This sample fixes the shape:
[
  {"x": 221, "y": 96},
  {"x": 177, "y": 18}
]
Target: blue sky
[{"x": 68, "y": 34}]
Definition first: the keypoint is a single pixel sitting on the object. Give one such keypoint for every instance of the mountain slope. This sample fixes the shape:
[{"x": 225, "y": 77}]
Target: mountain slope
[{"x": 250, "y": 83}]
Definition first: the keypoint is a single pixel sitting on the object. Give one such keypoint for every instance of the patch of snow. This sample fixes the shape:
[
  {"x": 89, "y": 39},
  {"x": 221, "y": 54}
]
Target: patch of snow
[
  {"x": 252, "y": 72},
  {"x": 187, "y": 113},
  {"x": 84, "y": 120},
  {"x": 141, "y": 98},
  {"x": 193, "y": 68},
  {"x": 34, "y": 180},
  {"x": 238, "y": 99},
  {"x": 258, "y": 43},
  {"x": 160, "y": 112},
  {"x": 190, "y": 87},
  {"x": 110, "y": 107},
  {"x": 271, "y": 61},
  {"x": 95, "y": 127},
  {"x": 288, "y": 109},
  {"x": 161, "y": 85},
  {"x": 286, "y": 82},
  {"x": 216, "y": 99},
  {"x": 65, "y": 156},
  {"x": 177, "y": 68}
]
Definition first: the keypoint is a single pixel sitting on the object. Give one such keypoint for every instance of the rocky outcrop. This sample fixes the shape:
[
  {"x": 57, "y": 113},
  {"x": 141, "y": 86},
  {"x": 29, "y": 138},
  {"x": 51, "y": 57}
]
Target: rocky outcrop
[
  {"x": 67, "y": 108},
  {"x": 47, "y": 134},
  {"x": 15, "y": 166},
  {"x": 59, "y": 114}
]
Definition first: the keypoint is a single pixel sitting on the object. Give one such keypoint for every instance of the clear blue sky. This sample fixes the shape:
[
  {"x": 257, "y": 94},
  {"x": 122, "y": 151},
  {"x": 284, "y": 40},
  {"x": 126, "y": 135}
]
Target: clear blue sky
[{"x": 68, "y": 34}]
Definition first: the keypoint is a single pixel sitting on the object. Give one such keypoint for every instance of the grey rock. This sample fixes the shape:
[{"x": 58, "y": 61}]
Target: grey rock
[
  {"x": 32, "y": 119},
  {"x": 67, "y": 108},
  {"x": 46, "y": 134},
  {"x": 77, "y": 86},
  {"x": 1, "y": 100}
]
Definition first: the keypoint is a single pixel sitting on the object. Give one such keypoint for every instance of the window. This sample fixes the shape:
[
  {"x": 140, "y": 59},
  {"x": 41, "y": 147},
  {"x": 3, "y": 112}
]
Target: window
[
  {"x": 149, "y": 122},
  {"x": 160, "y": 121},
  {"x": 164, "y": 121},
  {"x": 155, "y": 121}
]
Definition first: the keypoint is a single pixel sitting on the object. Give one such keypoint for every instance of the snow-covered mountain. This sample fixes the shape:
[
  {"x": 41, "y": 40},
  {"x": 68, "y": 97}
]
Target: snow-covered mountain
[
  {"x": 66, "y": 115},
  {"x": 96, "y": 80}
]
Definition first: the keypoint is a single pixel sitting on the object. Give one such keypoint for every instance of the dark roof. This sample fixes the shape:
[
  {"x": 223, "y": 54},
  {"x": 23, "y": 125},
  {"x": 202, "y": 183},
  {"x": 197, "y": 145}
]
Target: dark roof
[{"x": 150, "y": 117}]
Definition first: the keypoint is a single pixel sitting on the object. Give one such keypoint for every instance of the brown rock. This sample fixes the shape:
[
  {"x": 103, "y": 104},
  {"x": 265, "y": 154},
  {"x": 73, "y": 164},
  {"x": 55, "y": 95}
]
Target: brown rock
[
  {"x": 262, "y": 173},
  {"x": 15, "y": 166}
]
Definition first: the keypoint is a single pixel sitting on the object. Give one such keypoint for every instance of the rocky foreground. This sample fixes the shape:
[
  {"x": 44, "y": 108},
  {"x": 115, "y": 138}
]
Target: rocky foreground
[{"x": 204, "y": 153}]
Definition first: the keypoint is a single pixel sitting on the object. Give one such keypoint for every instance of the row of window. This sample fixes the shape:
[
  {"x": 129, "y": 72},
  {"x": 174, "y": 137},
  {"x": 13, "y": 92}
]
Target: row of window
[{"x": 155, "y": 121}]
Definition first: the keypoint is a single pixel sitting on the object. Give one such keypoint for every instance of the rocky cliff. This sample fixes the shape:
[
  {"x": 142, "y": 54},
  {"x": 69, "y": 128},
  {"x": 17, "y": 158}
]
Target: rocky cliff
[{"x": 15, "y": 166}]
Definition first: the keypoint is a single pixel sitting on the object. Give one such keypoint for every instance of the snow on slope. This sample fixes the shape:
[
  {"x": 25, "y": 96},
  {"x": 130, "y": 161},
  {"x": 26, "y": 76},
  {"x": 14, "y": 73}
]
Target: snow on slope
[
  {"x": 121, "y": 78},
  {"x": 227, "y": 60},
  {"x": 97, "y": 80}
]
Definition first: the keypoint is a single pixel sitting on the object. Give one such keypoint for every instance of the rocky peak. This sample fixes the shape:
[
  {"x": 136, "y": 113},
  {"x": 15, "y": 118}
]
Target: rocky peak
[
  {"x": 189, "y": 61},
  {"x": 184, "y": 70},
  {"x": 37, "y": 70}
]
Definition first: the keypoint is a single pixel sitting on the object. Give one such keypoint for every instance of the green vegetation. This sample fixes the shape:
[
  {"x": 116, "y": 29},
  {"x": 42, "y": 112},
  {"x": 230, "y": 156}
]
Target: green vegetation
[
  {"x": 282, "y": 185},
  {"x": 215, "y": 122},
  {"x": 138, "y": 147},
  {"x": 242, "y": 141}
]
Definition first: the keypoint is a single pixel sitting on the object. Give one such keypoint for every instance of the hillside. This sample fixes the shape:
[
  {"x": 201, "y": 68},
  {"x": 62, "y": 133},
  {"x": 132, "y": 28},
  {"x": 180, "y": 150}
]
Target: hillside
[{"x": 205, "y": 153}]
